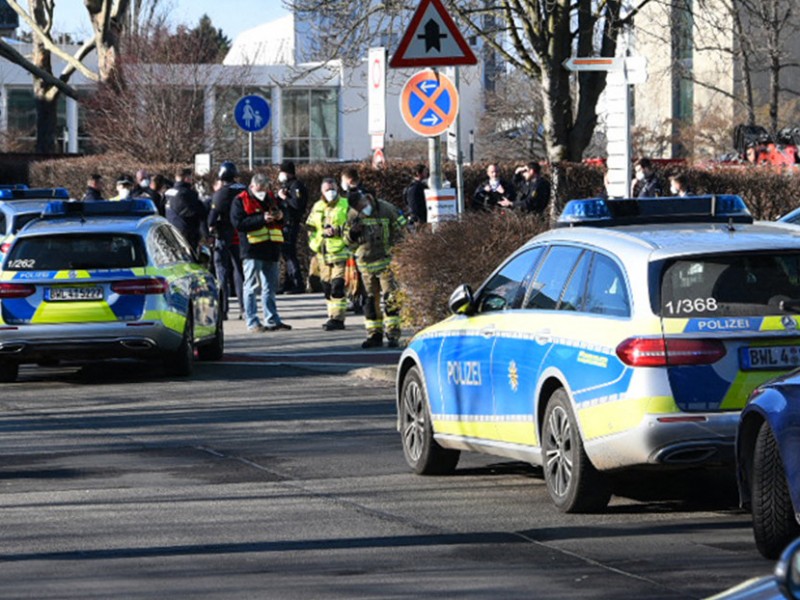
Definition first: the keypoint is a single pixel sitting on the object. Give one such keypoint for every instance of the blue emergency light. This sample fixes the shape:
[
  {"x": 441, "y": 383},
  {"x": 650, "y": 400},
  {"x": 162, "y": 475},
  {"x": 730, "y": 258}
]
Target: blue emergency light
[
  {"x": 601, "y": 212},
  {"x": 24, "y": 193},
  {"x": 13, "y": 186},
  {"x": 138, "y": 207}
]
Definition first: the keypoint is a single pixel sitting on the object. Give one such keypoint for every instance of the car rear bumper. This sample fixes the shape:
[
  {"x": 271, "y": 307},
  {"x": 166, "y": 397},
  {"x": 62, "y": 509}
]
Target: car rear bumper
[
  {"x": 674, "y": 440},
  {"x": 34, "y": 343}
]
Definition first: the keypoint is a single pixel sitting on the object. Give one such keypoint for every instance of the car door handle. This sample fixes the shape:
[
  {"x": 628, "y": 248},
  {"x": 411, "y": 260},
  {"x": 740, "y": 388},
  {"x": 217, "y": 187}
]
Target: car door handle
[
  {"x": 488, "y": 332},
  {"x": 543, "y": 337}
]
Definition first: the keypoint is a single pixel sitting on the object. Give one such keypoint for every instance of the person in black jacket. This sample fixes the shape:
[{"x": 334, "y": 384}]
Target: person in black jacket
[
  {"x": 532, "y": 189},
  {"x": 257, "y": 216},
  {"x": 415, "y": 196},
  {"x": 494, "y": 191},
  {"x": 227, "y": 262},
  {"x": 646, "y": 184},
  {"x": 94, "y": 189},
  {"x": 184, "y": 209},
  {"x": 294, "y": 197}
]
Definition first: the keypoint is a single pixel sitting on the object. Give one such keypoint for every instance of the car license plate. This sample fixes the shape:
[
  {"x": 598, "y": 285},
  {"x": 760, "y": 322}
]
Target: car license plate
[
  {"x": 771, "y": 357},
  {"x": 71, "y": 294}
]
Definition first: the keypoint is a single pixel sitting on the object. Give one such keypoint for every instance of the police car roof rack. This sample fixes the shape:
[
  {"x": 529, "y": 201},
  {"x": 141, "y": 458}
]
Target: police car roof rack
[
  {"x": 601, "y": 212},
  {"x": 25, "y": 193},
  {"x": 13, "y": 186},
  {"x": 138, "y": 207}
]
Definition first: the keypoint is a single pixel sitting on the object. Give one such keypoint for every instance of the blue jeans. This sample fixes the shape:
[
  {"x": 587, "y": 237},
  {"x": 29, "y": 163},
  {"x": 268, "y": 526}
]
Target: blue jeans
[{"x": 264, "y": 273}]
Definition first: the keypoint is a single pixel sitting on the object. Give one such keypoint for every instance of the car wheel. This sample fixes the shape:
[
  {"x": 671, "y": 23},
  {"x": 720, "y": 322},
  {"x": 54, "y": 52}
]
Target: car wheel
[
  {"x": 181, "y": 361},
  {"x": 423, "y": 454},
  {"x": 216, "y": 348},
  {"x": 573, "y": 483},
  {"x": 8, "y": 372},
  {"x": 774, "y": 523}
]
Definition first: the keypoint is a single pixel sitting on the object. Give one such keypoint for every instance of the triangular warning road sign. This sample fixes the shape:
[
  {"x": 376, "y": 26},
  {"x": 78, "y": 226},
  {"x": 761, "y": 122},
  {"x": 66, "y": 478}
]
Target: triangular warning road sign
[{"x": 432, "y": 40}]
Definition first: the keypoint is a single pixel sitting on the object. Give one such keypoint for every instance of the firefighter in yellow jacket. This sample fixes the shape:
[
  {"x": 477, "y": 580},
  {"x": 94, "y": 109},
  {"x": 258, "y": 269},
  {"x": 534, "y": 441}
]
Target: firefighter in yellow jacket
[
  {"x": 373, "y": 228},
  {"x": 326, "y": 223}
]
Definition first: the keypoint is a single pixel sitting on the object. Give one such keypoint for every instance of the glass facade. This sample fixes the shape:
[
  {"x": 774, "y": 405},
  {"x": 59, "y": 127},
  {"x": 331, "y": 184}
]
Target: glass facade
[
  {"x": 310, "y": 124},
  {"x": 21, "y": 126}
]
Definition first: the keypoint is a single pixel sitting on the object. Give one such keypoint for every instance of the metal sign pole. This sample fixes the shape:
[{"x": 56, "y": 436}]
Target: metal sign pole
[
  {"x": 459, "y": 153},
  {"x": 250, "y": 150},
  {"x": 435, "y": 156}
]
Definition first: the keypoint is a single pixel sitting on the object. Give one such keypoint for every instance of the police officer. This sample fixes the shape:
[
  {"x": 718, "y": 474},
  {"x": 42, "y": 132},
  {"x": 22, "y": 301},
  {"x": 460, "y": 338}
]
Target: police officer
[
  {"x": 325, "y": 224},
  {"x": 227, "y": 261},
  {"x": 184, "y": 209},
  {"x": 373, "y": 227},
  {"x": 293, "y": 196}
]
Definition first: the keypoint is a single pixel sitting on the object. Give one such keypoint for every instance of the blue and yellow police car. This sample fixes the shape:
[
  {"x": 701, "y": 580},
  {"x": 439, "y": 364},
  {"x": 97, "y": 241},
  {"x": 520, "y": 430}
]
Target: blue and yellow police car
[
  {"x": 628, "y": 337},
  {"x": 102, "y": 280}
]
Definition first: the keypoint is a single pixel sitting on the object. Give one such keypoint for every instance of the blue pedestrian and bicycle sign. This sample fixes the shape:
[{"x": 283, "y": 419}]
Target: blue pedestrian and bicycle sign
[
  {"x": 429, "y": 103},
  {"x": 252, "y": 113}
]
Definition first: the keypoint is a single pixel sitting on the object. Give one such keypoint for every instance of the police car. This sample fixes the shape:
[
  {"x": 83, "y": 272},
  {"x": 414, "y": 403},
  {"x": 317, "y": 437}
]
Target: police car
[
  {"x": 629, "y": 336},
  {"x": 19, "y": 205},
  {"x": 768, "y": 462},
  {"x": 105, "y": 280}
]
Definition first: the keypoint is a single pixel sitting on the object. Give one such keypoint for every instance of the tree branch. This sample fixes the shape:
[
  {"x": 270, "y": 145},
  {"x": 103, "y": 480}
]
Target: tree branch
[{"x": 10, "y": 53}]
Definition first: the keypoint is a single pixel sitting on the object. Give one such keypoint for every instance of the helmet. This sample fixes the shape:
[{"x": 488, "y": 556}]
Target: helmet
[{"x": 227, "y": 171}]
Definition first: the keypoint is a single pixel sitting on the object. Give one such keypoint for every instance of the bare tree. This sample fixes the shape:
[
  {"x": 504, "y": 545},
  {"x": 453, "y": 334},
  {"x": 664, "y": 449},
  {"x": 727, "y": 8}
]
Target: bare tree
[{"x": 105, "y": 17}]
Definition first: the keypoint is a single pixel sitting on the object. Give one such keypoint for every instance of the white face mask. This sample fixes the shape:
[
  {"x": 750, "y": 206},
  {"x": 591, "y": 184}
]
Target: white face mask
[
  {"x": 282, "y": 177},
  {"x": 123, "y": 192},
  {"x": 145, "y": 183},
  {"x": 367, "y": 210},
  {"x": 673, "y": 190},
  {"x": 260, "y": 195},
  {"x": 331, "y": 195},
  {"x": 345, "y": 186},
  {"x": 639, "y": 175}
]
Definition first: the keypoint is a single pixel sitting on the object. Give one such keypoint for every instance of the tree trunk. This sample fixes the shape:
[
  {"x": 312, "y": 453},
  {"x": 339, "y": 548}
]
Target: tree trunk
[
  {"x": 46, "y": 103},
  {"x": 107, "y": 21}
]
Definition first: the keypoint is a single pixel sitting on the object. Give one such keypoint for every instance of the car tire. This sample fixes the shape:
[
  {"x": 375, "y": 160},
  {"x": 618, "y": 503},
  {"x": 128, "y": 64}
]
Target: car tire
[
  {"x": 8, "y": 372},
  {"x": 774, "y": 523},
  {"x": 181, "y": 361},
  {"x": 423, "y": 454},
  {"x": 216, "y": 348},
  {"x": 573, "y": 483}
]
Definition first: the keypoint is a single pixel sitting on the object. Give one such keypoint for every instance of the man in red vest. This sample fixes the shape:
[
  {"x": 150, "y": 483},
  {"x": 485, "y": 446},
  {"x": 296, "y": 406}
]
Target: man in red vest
[{"x": 256, "y": 215}]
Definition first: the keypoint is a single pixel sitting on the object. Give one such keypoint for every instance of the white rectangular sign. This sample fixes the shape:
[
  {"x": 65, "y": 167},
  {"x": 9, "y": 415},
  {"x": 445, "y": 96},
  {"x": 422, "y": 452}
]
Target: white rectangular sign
[{"x": 376, "y": 91}]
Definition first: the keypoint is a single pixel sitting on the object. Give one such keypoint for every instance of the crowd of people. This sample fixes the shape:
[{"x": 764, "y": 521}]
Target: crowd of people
[{"x": 252, "y": 227}]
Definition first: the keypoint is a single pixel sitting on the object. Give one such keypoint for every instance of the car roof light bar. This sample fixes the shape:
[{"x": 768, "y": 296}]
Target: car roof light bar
[
  {"x": 139, "y": 207},
  {"x": 33, "y": 194},
  {"x": 601, "y": 212}
]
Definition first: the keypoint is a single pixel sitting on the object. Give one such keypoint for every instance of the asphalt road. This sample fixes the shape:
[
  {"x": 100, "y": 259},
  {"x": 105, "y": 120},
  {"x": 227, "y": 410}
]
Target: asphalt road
[{"x": 277, "y": 473}]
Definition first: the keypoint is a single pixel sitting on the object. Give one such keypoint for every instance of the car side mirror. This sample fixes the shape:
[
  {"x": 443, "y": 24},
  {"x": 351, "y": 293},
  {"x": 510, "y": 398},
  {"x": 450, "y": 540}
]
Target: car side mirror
[
  {"x": 462, "y": 301},
  {"x": 787, "y": 571},
  {"x": 204, "y": 256}
]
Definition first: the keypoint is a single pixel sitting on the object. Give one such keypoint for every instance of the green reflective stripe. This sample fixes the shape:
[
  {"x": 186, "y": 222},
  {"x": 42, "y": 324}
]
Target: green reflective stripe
[
  {"x": 373, "y": 325},
  {"x": 392, "y": 322},
  {"x": 374, "y": 267},
  {"x": 265, "y": 234}
]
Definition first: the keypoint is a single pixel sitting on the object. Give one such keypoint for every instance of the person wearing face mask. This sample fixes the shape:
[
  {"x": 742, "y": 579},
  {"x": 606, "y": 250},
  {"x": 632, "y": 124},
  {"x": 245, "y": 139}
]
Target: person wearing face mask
[
  {"x": 353, "y": 189},
  {"x": 646, "y": 184},
  {"x": 679, "y": 185},
  {"x": 373, "y": 228},
  {"x": 325, "y": 224},
  {"x": 494, "y": 191},
  {"x": 257, "y": 216},
  {"x": 124, "y": 187},
  {"x": 293, "y": 196},
  {"x": 142, "y": 184}
]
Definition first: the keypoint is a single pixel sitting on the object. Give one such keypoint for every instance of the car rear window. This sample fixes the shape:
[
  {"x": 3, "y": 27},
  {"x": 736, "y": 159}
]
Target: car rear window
[
  {"x": 730, "y": 285},
  {"x": 64, "y": 252}
]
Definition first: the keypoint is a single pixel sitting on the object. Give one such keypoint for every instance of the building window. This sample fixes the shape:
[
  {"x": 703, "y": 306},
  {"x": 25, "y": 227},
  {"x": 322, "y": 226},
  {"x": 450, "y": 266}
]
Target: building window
[
  {"x": 21, "y": 128},
  {"x": 310, "y": 124},
  {"x": 231, "y": 141}
]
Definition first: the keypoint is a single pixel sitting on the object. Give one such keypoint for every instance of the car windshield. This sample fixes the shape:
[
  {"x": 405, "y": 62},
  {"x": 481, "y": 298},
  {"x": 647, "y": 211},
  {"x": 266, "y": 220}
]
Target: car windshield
[
  {"x": 730, "y": 285},
  {"x": 64, "y": 252}
]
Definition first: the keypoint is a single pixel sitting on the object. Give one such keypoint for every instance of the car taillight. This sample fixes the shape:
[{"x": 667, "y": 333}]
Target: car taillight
[
  {"x": 16, "y": 290},
  {"x": 656, "y": 352},
  {"x": 4, "y": 247},
  {"x": 140, "y": 287}
]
